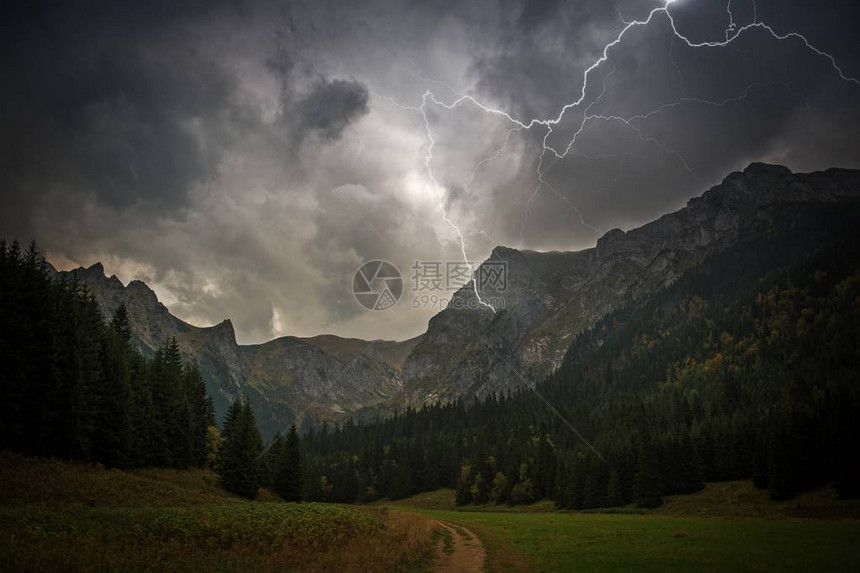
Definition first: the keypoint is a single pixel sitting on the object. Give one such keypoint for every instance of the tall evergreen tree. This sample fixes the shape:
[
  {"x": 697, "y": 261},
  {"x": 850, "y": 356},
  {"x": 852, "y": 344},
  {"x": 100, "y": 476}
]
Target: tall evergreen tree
[
  {"x": 201, "y": 414},
  {"x": 289, "y": 478},
  {"x": 73, "y": 387},
  {"x": 113, "y": 434},
  {"x": 239, "y": 461}
]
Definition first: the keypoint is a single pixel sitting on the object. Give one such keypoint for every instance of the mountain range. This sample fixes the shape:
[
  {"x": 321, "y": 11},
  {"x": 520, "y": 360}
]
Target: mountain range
[{"x": 469, "y": 350}]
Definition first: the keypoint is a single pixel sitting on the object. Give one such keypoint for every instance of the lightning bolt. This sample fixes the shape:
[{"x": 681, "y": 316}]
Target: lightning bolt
[
  {"x": 732, "y": 32},
  {"x": 732, "y": 26}
]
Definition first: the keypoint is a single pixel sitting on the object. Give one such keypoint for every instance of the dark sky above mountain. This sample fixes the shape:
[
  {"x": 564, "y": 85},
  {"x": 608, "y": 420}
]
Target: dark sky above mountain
[{"x": 244, "y": 158}]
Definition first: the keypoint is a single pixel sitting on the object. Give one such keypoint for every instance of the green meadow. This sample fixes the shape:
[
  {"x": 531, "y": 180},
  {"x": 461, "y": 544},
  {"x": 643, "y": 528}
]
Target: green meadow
[
  {"x": 708, "y": 531},
  {"x": 74, "y": 517},
  {"x": 520, "y": 541}
]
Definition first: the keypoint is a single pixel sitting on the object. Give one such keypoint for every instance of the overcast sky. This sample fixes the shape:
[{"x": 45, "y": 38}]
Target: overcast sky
[{"x": 244, "y": 158}]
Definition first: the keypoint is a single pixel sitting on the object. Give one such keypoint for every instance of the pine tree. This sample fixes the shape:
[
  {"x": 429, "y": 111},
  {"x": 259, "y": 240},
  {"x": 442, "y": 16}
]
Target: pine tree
[
  {"x": 112, "y": 440},
  {"x": 289, "y": 478},
  {"x": 238, "y": 464},
  {"x": 72, "y": 386},
  {"x": 648, "y": 482},
  {"x": 544, "y": 479},
  {"x": 614, "y": 493},
  {"x": 230, "y": 418},
  {"x": 201, "y": 414},
  {"x": 271, "y": 461},
  {"x": 120, "y": 324}
]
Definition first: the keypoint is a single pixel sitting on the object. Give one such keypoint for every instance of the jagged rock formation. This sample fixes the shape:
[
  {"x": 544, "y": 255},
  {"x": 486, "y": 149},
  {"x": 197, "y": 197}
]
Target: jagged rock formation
[
  {"x": 553, "y": 296},
  {"x": 550, "y": 297},
  {"x": 287, "y": 379}
]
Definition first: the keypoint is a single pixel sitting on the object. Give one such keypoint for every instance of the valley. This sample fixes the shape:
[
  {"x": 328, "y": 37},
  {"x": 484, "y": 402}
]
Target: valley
[
  {"x": 468, "y": 354},
  {"x": 681, "y": 395},
  {"x": 138, "y": 520}
]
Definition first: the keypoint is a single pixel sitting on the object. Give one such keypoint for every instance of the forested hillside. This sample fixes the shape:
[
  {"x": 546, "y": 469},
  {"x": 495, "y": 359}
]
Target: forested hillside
[
  {"x": 745, "y": 367},
  {"x": 72, "y": 386}
]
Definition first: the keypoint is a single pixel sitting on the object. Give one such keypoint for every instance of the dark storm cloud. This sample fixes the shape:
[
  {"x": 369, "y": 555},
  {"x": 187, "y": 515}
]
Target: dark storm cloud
[
  {"x": 245, "y": 157},
  {"x": 321, "y": 108},
  {"x": 784, "y": 104},
  {"x": 325, "y": 110},
  {"x": 535, "y": 64},
  {"x": 111, "y": 100},
  {"x": 330, "y": 106},
  {"x": 133, "y": 103}
]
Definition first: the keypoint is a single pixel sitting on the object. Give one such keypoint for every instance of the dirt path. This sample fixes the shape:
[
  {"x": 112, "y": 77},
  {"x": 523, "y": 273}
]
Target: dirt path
[{"x": 460, "y": 550}]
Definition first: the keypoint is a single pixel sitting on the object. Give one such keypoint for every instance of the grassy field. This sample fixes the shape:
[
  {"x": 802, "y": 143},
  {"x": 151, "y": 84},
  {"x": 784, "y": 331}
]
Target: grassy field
[
  {"x": 444, "y": 499},
  {"x": 612, "y": 542},
  {"x": 73, "y": 517},
  {"x": 742, "y": 499},
  {"x": 728, "y": 526},
  {"x": 724, "y": 499}
]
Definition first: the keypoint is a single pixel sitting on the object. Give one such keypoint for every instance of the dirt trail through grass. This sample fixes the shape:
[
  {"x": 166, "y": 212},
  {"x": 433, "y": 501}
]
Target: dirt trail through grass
[{"x": 460, "y": 550}]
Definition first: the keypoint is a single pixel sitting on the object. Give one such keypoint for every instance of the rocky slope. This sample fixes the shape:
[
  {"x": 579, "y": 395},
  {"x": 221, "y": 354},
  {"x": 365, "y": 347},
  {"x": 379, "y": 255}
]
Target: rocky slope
[
  {"x": 287, "y": 380},
  {"x": 550, "y": 297}
]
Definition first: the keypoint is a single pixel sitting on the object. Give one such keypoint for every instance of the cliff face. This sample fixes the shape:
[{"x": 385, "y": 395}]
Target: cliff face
[
  {"x": 549, "y": 299},
  {"x": 287, "y": 380},
  {"x": 553, "y": 296}
]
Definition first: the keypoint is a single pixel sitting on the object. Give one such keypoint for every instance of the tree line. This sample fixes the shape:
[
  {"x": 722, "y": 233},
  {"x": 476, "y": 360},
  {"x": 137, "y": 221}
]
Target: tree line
[
  {"x": 245, "y": 465},
  {"x": 745, "y": 367},
  {"x": 73, "y": 387}
]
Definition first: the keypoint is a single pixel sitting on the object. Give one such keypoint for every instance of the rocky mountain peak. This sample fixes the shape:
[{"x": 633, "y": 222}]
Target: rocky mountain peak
[
  {"x": 765, "y": 169},
  {"x": 554, "y": 296},
  {"x": 141, "y": 288},
  {"x": 225, "y": 331},
  {"x": 611, "y": 243},
  {"x": 549, "y": 298}
]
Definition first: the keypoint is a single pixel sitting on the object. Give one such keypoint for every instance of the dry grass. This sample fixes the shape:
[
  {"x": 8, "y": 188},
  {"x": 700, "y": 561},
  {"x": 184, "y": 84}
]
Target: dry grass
[
  {"x": 406, "y": 544},
  {"x": 445, "y": 499},
  {"x": 73, "y": 517},
  {"x": 438, "y": 499},
  {"x": 234, "y": 537},
  {"x": 51, "y": 482}
]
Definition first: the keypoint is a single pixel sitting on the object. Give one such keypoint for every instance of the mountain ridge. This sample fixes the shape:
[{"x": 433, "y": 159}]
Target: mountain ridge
[
  {"x": 551, "y": 297},
  {"x": 288, "y": 379}
]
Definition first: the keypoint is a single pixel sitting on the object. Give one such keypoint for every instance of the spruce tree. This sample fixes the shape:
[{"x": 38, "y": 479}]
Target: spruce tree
[
  {"x": 238, "y": 464},
  {"x": 289, "y": 477},
  {"x": 201, "y": 414},
  {"x": 648, "y": 482},
  {"x": 112, "y": 442}
]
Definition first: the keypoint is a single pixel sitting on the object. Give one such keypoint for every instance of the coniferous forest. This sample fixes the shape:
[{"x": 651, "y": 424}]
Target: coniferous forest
[
  {"x": 74, "y": 388},
  {"x": 746, "y": 367}
]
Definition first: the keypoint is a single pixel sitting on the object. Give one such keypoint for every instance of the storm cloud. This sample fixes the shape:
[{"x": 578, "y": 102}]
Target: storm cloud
[{"x": 244, "y": 158}]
